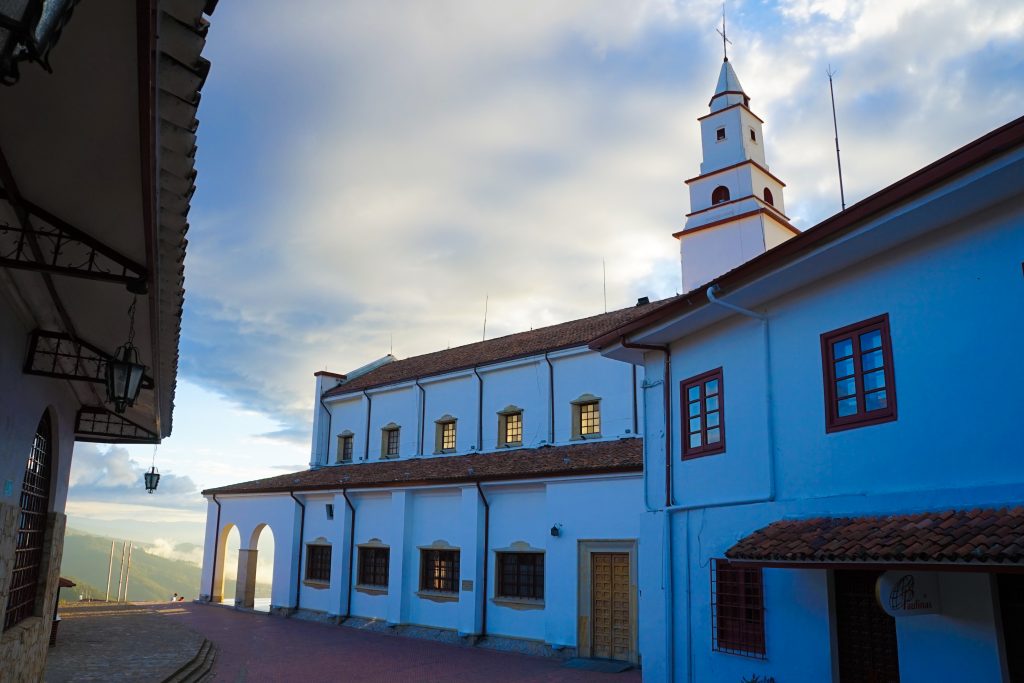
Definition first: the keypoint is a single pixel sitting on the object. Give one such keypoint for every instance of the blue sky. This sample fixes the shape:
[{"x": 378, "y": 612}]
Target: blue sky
[{"x": 370, "y": 172}]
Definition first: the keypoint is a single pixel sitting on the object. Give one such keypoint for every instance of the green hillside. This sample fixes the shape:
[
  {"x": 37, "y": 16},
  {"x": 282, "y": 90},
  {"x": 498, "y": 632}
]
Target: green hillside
[{"x": 87, "y": 558}]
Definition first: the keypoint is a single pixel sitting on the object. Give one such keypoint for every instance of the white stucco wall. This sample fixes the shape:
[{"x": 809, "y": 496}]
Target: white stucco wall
[
  {"x": 407, "y": 520},
  {"x": 523, "y": 383},
  {"x": 952, "y": 297},
  {"x": 22, "y": 404}
]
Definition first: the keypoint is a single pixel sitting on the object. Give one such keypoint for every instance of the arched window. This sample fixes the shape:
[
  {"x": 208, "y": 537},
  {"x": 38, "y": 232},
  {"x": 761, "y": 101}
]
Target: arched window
[
  {"x": 35, "y": 503},
  {"x": 721, "y": 194},
  {"x": 768, "y": 199}
]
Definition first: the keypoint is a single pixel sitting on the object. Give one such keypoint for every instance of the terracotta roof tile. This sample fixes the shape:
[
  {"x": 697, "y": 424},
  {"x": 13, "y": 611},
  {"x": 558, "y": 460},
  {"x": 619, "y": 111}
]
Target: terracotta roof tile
[
  {"x": 981, "y": 535},
  {"x": 598, "y": 457},
  {"x": 562, "y": 336}
]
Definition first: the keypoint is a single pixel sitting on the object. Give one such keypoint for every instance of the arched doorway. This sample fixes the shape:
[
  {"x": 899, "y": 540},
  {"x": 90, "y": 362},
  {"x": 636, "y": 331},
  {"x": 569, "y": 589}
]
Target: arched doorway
[
  {"x": 263, "y": 579},
  {"x": 227, "y": 565}
]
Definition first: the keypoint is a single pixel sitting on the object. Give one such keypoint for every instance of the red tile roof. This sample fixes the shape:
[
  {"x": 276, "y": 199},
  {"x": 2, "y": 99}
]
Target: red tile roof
[
  {"x": 597, "y": 457},
  {"x": 562, "y": 336},
  {"x": 954, "y": 536}
]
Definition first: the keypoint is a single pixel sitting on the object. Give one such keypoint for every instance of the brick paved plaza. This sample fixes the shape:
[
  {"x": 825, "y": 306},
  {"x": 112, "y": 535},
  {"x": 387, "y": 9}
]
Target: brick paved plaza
[{"x": 149, "y": 642}]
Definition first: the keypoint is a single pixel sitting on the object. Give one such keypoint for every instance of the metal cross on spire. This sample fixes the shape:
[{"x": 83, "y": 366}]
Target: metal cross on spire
[{"x": 725, "y": 40}]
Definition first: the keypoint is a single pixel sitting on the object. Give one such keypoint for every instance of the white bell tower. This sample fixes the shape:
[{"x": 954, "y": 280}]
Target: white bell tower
[{"x": 736, "y": 206}]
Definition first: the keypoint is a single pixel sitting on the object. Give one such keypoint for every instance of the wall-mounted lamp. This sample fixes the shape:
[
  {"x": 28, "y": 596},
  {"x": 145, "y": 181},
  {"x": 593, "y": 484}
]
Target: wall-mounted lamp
[{"x": 556, "y": 530}]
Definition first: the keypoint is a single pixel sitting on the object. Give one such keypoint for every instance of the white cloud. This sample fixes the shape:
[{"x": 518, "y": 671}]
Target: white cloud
[{"x": 411, "y": 159}]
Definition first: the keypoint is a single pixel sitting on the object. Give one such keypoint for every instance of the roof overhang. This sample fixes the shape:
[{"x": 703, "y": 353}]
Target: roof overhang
[
  {"x": 979, "y": 177},
  {"x": 100, "y": 155}
]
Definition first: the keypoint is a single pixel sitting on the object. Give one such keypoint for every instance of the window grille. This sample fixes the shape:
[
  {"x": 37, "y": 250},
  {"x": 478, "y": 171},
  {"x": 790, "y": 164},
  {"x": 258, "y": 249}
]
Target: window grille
[
  {"x": 373, "y": 566},
  {"x": 439, "y": 571},
  {"x": 590, "y": 418},
  {"x": 703, "y": 414},
  {"x": 860, "y": 387},
  {"x": 737, "y": 609},
  {"x": 520, "y": 575},
  {"x": 318, "y": 563},
  {"x": 28, "y": 549}
]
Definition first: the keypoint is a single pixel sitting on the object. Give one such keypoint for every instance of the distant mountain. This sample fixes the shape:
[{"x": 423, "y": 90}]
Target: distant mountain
[{"x": 151, "y": 577}]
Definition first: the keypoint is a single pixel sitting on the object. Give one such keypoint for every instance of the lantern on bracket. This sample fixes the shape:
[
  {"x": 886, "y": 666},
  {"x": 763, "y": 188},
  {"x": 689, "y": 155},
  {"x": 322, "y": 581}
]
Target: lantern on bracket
[{"x": 124, "y": 371}]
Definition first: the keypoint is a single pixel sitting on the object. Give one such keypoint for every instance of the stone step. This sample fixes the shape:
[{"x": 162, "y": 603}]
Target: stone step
[{"x": 197, "y": 667}]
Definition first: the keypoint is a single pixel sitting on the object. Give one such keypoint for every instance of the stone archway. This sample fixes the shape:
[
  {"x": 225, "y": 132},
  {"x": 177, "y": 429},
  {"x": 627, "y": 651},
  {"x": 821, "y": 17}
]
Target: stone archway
[
  {"x": 227, "y": 561},
  {"x": 249, "y": 568}
]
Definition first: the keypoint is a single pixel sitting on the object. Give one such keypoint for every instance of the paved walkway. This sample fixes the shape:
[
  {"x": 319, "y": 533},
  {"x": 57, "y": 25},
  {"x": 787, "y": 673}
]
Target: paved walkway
[
  {"x": 113, "y": 643},
  {"x": 257, "y": 647}
]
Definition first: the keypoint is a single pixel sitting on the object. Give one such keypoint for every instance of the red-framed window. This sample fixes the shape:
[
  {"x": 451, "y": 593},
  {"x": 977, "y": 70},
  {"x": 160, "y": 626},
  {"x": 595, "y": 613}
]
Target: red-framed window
[
  {"x": 703, "y": 406},
  {"x": 860, "y": 387},
  {"x": 737, "y": 609}
]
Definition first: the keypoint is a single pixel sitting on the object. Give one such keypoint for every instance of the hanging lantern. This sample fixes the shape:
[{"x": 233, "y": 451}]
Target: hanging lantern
[
  {"x": 152, "y": 479},
  {"x": 124, "y": 371}
]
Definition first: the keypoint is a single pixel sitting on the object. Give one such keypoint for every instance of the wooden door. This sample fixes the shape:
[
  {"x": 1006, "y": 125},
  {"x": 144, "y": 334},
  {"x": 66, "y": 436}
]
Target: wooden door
[
  {"x": 611, "y": 633},
  {"x": 866, "y": 634}
]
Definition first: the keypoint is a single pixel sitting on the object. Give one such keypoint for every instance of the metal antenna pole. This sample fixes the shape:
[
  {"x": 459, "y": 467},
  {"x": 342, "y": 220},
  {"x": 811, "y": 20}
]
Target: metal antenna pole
[
  {"x": 604, "y": 284},
  {"x": 120, "y": 573},
  {"x": 486, "y": 300},
  {"x": 127, "y": 571},
  {"x": 110, "y": 570},
  {"x": 835, "y": 127}
]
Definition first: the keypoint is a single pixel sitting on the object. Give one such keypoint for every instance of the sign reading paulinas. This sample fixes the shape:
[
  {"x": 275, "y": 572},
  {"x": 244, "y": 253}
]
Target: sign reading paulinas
[{"x": 906, "y": 594}]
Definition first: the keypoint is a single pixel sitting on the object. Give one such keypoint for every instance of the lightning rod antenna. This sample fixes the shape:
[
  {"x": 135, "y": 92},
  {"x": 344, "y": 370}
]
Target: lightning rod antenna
[
  {"x": 835, "y": 127},
  {"x": 604, "y": 284},
  {"x": 486, "y": 300}
]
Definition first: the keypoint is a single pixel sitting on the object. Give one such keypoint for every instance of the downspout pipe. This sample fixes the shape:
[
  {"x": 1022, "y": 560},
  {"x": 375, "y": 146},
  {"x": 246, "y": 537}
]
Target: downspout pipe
[
  {"x": 216, "y": 548},
  {"x": 423, "y": 418},
  {"x": 487, "y": 552},
  {"x": 369, "y": 409},
  {"x": 712, "y": 296},
  {"x": 667, "y": 404},
  {"x": 551, "y": 399},
  {"x": 302, "y": 537},
  {"x": 330, "y": 418},
  {"x": 351, "y": 550},
  {"x": 479, "y": 412}
]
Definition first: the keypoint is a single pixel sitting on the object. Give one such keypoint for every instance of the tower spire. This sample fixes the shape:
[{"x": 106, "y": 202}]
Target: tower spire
[{"x": 725, "y": 41}]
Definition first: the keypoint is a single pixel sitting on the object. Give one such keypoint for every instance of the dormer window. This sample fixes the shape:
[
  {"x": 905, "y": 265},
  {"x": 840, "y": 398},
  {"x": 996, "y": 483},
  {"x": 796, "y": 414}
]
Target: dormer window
[
  {"x": 720, "y": 195},
  {"x": 768, "y": 198},
  {"x": 720, "y": 134}
]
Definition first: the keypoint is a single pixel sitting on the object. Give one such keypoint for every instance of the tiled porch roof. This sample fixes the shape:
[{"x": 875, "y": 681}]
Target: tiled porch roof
[
  {"x": 977, "y": 536},
  {"x": 598, "y": 457}
]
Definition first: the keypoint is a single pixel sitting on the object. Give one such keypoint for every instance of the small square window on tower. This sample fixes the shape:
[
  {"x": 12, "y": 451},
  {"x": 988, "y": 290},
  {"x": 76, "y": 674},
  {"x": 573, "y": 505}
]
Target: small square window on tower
[
  {"x": 753, "y": 135},
  {"x": 720, "y": 134}
]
